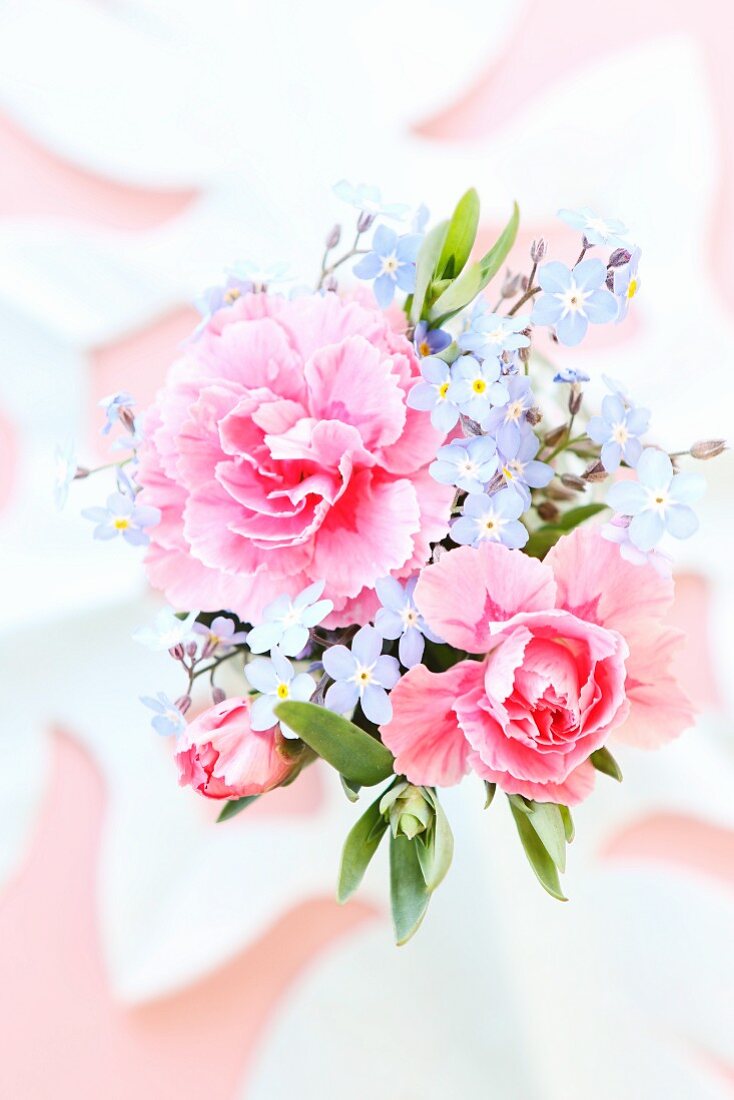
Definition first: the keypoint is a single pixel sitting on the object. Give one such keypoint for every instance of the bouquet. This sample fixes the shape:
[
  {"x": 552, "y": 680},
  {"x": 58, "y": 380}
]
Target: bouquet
[{"x": 390, "y": 512}]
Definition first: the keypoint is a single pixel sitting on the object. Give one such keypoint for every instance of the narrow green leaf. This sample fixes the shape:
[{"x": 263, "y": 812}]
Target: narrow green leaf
[
  {"x": 545, "y": 869},
  {"x": 409, "y": 896},
  {"x": 362, "y": 842},
  {"x": 524, "y": 805},
  {"x": 574, "y": 516},
  {"x": 236, "y": 806},
  {"x": 473, "y": 280},
  {"x": 547, "y": 821},
  {"x": 355, "y": 755},
  {"x": 604, "y": 762},
  {"x": 460, "y": 237},
  {"x": 425, "y": 266},
  {"x": 568, "y": 825},
  {"x": 541, "y": 541},
  {"x": 491, "y": 790}
]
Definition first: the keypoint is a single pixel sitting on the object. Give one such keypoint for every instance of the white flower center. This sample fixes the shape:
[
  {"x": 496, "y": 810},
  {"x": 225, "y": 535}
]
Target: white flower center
[
  {"x": 658, "y": 500},
  {"x": 409, "y": 616},
  {"x": 468, "y": 468},
  {"x": 514, "y": 411},
  {"x": 620, "y": 434},
  {"x": 390, "y": 264},
  {"x": 292, "y": 617},
  {"x": 496, "y": 336},
  {"x": 490, "y": 525},
  {"x": 573, "y": 299},
  {"x": 513, "y": 469},
  {"x": 599, "y": 226},
  {"x": 362, "y": 676}
]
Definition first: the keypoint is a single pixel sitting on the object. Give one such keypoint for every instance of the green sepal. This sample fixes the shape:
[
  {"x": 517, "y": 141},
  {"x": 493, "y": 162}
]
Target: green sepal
[
  {"x": 545, "y": 869},
  {"x": 362, "y": 842},
  {"x": 409, "y": 895},
  {"x": 547, "y": 821},
  {"x": 568, "y": 825},
  {"x": 473, "y": 280},
  {"x": 521, "y": 803},
  {"x": 490, "y": 791},
  {"x": 460, "y": 237},
  {"x": 351, "y": 790},
  {"x": 440, "y": 846},
  {"x": 604, "y": 762},
  {"x": 425, "y": 266},
  {"x": 361, "y": 759},
  {"x": 236, "y": 806}
]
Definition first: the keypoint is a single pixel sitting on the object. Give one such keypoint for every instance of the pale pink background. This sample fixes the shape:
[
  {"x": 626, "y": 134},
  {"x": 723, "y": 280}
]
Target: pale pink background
[{"x": 108, "y": 225}]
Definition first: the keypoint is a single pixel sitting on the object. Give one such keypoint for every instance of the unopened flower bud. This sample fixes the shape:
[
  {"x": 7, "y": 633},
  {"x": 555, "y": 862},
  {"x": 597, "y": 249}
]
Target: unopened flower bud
[
  {"x": 511, "y": 285},
  {"x": 183, "y": 703},
  {"x": 571, "y": 481},
  {"x": 333, "y": 238},
  {"x": 330, "y": 284},
  {"x": 80, "y": 473},
  {"x": 575, "y": 398},
  {"x": 127, "y": 419},
  {"x": 619, "y": 258},
  {"x": 538, "y": 249},
  {"x": 218, "y": 695},
  {"x": 534, "y": 416},
  {"x": 177, "y": 651},
  {"x": 708, "y": 448},
  {"x": 595, "y": 472},
  {"x": 556, "y": 435},
  {"x": 191, "y": 649},
  {"x": 523, "y": 354},
  {"x": 548, "y": 511},
  {"x": 364, "y": 221},
  {"x": 556, "y": 492},
  {"x": 471, "y": 428},
  {"x": 410, "y": 813}
]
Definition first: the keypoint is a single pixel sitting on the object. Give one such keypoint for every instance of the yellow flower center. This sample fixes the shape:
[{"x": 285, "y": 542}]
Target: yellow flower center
[
  {"x": 232, "y": 295},
  {"x": 282, "y": 691},
  {"x": 121, "y": 523},
  {"x": 479, "y": 385},
  {"x": 443, "y": 389},
  {"x": 424, "y": 347},
  {"x": 632, "y": 288}
]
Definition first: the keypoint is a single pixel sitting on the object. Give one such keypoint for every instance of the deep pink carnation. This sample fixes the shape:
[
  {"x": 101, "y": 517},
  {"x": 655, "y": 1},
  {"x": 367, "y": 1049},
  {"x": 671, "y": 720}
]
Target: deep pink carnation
[
  {"x": 575, "y": 649},
  {"x": 281, "y": 451}
]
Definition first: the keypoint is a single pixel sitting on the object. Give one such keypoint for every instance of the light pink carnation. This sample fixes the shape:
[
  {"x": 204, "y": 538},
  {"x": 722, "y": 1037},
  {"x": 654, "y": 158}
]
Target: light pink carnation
[
  {"x": 575, "y": 648},
  {"x": 281, "y": 451},
  {"x": 221, "y": 756}
]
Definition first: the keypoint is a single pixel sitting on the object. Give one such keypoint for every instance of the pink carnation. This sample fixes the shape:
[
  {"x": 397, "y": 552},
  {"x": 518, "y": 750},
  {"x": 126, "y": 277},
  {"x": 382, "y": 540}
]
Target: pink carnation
[
  {"x": 221, "y": 756},
  {"x": 574, "y": 648},
  {"x": 281, "y": 451}
]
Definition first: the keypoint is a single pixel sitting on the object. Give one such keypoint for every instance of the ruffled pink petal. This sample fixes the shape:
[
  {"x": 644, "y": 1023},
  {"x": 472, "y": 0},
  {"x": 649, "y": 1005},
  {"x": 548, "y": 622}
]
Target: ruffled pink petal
[
  {"x": 469, "y": 589},
  {"x": 424, "y": 735},
  {"x": 353, "y": 383},
  {"x": 659, "y": 709},
  {"x": 574, "y": 789}
]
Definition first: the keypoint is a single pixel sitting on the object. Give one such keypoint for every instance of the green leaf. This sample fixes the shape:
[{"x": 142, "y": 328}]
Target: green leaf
[
  {"x": 541, "y": 541},
  {"x": 524, "y": 805},
  {"x": 236, "y": 806},
  {"x": 574, "y": 516},
  {"x": 355, "y": 755},
  {"x": 462, "y": 233},
  {"x": 473, "y": 280},
  {"x": 547, "y": 821},
  {"x": 541, "y": 863},
  {"x": 604, "y": 762},
  {"x": 361, "y": 844},
  {"x": 568, "y": 825},
  {"x": 491, "y": 789},
  {"x": 425, "y": 266},
  {"x": 409, "y": 896},
  {"x": 441, "y": 845}
]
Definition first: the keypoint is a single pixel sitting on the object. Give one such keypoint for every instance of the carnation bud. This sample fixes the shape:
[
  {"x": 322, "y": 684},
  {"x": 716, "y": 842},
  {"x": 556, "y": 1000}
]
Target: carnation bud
[
  {"x": 619, "y": 258},
  {"x": 183, "y": 703},
  {"x": 364, "y": 221},
  {"x": 595, "y": 472},
  {"x": 177, "y": 651},
  {"x": 534, "y": 416},
  {"x": 571, "y": 481},
  {"x": 538, "y": 249},
  {"x": 575, "y": 398},
  {"x": 708, "y": 448},
  {"x": 548, "y": 511},
  {"x": 333, "y": 238},
  {"x": 410, "y": 812},
  {"x": 556, "y": 435},
  {"x": 218, "y": 695},
  {"x": 511, "y": 285}
]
